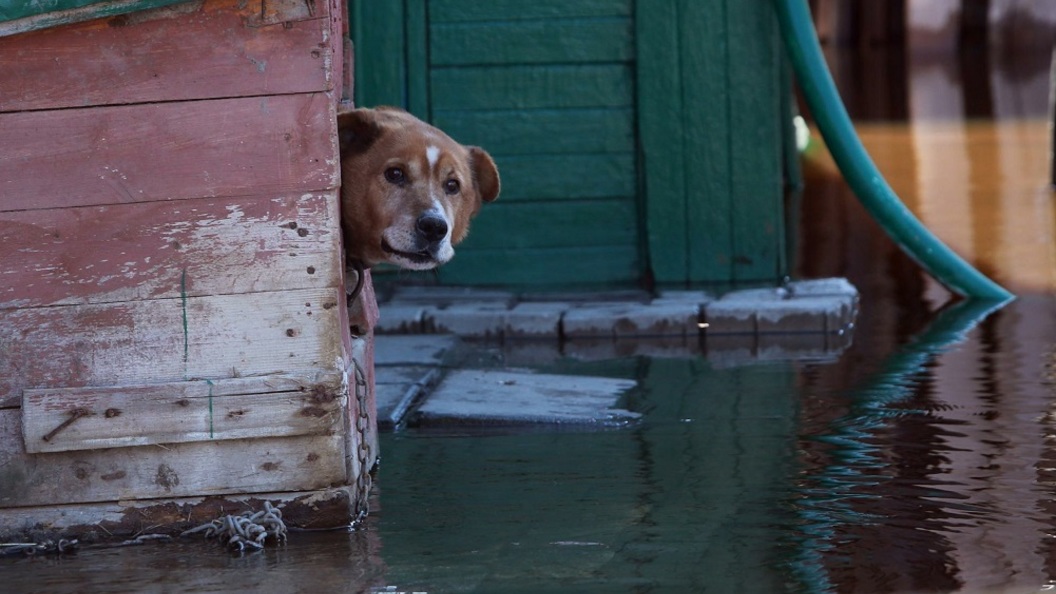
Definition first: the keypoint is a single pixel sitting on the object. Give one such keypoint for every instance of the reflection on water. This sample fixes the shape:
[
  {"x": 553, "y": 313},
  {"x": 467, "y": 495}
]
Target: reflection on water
[{"x": 923, "y": 460}]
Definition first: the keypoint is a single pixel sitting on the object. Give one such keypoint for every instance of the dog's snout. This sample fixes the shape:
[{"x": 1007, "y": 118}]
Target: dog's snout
[{"x": 432, "y": 227}]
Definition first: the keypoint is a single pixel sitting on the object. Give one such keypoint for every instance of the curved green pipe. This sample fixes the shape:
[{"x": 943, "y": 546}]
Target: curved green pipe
[{"x": 859, "y": 170}]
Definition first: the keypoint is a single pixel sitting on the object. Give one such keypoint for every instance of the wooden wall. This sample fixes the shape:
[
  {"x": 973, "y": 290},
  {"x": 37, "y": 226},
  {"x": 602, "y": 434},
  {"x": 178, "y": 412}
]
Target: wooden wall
[{"x": 170, "y": 255}]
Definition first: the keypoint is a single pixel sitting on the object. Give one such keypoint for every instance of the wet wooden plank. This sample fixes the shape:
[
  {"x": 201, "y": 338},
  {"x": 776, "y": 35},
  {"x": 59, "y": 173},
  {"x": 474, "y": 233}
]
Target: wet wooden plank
[
  {"x": 167, "y": 151},
  {"x": 193, "y": 50},
  {"x": 321, "y": 509},
  {"x": 176, "y": 470},
  {"x": 156, "y": 250},
  {"x": 169, "y": 340},
  {"x": 60, "y": 420}
]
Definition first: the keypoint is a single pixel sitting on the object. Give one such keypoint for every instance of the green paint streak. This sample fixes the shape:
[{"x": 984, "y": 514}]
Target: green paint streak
[
  {"x": 210, "y": 408},
  {"x": 183, "y": 299}
]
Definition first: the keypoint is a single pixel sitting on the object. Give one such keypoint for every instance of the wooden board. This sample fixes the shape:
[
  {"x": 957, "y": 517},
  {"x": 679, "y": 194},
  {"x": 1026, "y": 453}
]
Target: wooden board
[
  {"x": 756, "y": 176},
  {"x": 321, "y": 509},
  {"x": 567, "y": 177},
  {"x": 551, "y": 86},
  {"x": 223, "y": 54},
  {"x": 569, "y": 223},
  {"x": 453, "y": 11},
  {"x": 168, "y": 340},
  {"x": 541, "y": 266},
  {"x": 602, "y": 39},
  {"x": 565, "y": 131},
  {"x": 176, "y": 470},
  {"x": 60, "y": 420},
  {"x": 169, "y": 249},
  {"x": 662, "y": 139},
  {"x": 167, "y": 151}
]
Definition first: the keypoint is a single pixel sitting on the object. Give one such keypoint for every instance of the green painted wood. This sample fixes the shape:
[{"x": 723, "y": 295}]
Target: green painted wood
[
  {"x": 378, "y": 32},
  {"x": 567, "y": 177},
  {"x": 567, "y": 224},
  {"x": 705, "y": 60},
  {"x": 21, "y": 16},
  {"x": 564, "y": 131},
  {"x": 418, "y": 99},
  {"x": 756, "y": 178},
  {"x": 654, "y": 128},
  {"x": 454, "y": 11},
  {"x": 615, "y": 265},
  {"x": 557, "y": 41},
  {"x": 660, "y": 133},
  {"x": 533, "y": 87}
]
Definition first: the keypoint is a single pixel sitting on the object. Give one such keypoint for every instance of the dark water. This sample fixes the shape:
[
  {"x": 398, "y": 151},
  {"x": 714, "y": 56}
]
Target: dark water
[{"x": 922, "y": 460}]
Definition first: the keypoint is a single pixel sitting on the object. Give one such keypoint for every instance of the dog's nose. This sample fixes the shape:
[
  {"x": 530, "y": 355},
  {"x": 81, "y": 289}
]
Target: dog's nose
[{"x": 431, "y": 227}]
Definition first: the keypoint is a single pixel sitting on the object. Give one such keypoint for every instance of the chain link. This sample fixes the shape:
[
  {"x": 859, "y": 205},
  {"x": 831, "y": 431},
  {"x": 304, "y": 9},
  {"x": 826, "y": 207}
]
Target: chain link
[{"x": 362, "y": 424}]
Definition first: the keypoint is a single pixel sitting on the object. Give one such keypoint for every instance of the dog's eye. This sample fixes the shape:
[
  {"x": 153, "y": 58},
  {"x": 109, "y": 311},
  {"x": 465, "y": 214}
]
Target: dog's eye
[
  {"x": 452, "y": 186},
  {"x": 395, "y": 175}
]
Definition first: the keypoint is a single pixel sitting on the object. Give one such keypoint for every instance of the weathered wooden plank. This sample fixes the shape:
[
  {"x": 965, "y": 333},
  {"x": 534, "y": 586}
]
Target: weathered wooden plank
[
  {"x": 542, "y": 131},
  {"x": 86, "y": 64},
  {"x": 21, "y": 17},
  {"x": 533, "y": 87},
  {"x": 168, "y": 340},
  {"x": 169, "y": 249},
  {"x": 453, "y": 11},
  {"x": 608, "y": 39},
  {"x": 564, "y": 177},
  {"x": 328, "y": 508},
  {"x": 705, "y": 61},
  {"x": 569, "y": 266},
  {"x": 175, "y": 470},
  {"x": 555, "y": 224},
  {"x": 756, "y": 210},
  {"x": 167, "y": 151},
  {"x": 60, "y": 420},
  {"x": 660, "y": 133}
]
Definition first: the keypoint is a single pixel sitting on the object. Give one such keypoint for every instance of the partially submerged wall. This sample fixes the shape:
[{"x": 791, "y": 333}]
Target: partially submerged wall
[{"x": 172, "y": 306}]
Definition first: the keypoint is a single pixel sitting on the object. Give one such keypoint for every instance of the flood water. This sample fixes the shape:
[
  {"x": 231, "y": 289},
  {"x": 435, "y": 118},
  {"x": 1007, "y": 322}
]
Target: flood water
[{"x": 923, "y": 459}]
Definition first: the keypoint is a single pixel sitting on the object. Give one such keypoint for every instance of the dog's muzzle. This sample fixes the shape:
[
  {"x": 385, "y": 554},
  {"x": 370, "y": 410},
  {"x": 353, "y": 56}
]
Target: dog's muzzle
[{"x": 427, "y": 248}]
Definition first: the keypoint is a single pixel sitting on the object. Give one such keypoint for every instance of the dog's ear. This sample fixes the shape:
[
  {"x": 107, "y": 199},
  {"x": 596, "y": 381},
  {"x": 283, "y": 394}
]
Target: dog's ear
[
  {"x": 357, "y": 130},
  {"x": 484, "y": 173}
]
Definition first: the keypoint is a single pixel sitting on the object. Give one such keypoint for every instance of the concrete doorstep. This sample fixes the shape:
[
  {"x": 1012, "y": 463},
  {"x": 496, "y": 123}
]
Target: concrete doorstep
[{"x": 420, "y": 381}]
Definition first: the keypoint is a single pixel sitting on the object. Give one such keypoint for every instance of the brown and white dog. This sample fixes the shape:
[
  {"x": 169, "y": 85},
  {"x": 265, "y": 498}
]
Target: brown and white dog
[{"x": 408, "y": 189}]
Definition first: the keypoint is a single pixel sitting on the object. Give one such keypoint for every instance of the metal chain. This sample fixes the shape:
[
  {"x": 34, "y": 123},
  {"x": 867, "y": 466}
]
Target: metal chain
[{"x": 363, "y": 478}]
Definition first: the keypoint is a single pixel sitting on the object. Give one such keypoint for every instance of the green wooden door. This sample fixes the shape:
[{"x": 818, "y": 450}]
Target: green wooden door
[{"x": 632, "y": 145}]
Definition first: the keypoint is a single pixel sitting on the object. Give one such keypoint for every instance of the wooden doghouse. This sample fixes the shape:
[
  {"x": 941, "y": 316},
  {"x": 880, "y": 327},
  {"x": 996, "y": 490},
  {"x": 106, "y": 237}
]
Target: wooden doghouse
[{"x": 173, "y": 324}]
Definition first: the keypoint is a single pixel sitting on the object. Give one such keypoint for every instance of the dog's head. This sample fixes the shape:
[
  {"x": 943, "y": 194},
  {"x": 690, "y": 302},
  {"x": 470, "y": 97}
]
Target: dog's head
[{"x": 408, "y": 190}]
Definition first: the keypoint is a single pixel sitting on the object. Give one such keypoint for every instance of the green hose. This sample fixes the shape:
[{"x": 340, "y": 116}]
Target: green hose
[{"x": 861, "y": 173}]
